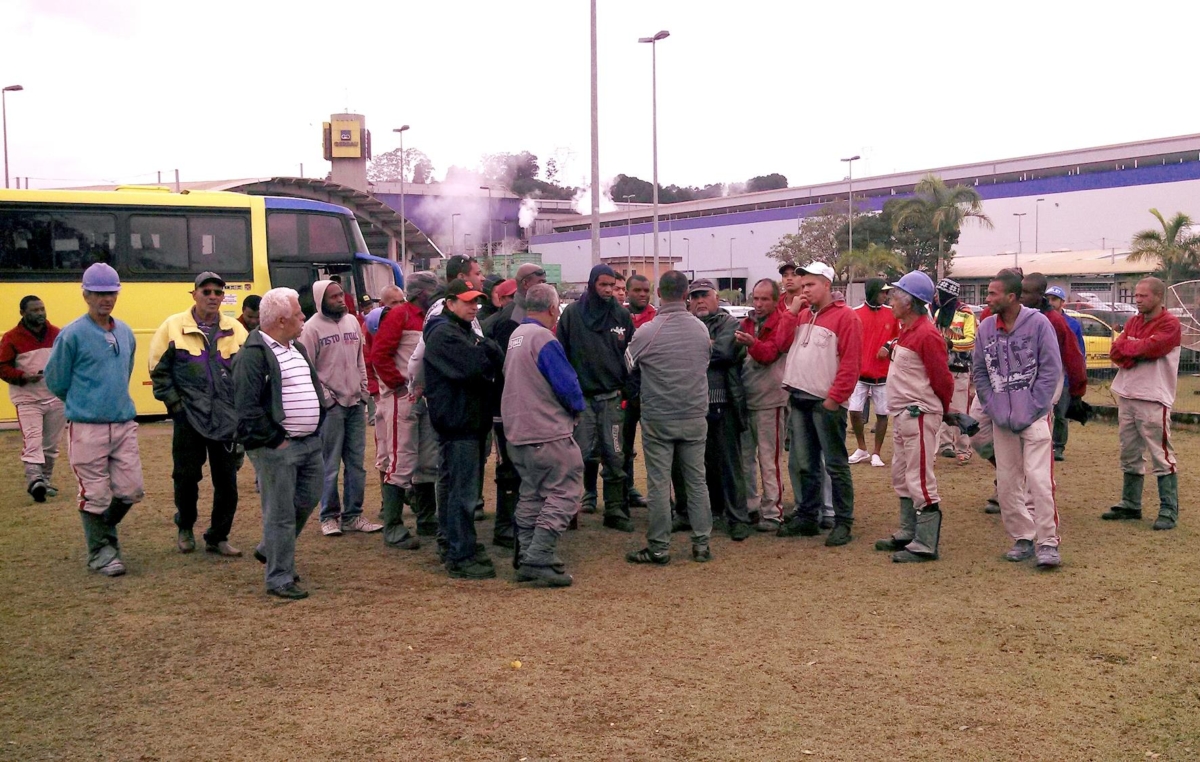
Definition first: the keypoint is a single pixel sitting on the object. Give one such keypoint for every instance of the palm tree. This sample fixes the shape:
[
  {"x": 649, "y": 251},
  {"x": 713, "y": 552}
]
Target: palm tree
[
  {"x": 867, "y": 262},
  {"x": 1175, "y": 247},
  {"x": 945, "y": 209}
]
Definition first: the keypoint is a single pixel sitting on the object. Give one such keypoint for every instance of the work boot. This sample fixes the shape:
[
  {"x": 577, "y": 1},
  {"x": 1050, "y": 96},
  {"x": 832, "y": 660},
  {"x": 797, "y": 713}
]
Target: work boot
[
  {"x": 701, "y": 554},
  {"x": 993, "y": 502},
  {"x": 395, "y": 534},
  {"x": 1168, "y": 501},
  {"x": 619, "y": 523},
  {"x": 1020, "y": 551},
  {"x": 796, "y": 526},
  {"x": 1130, "y": 507},
  {"x": 37, "y": 490},
  {"x": 540, "y": 561},
  {"x": 524, "y": 537},
  {"x": 739, "y": 531},
  {"x": 924, "y": 546},
  {"x": 908, "y": 528},
  {"x": 839, "y": 536},
  {"x": 101, "y": 541},
  {"x": 185, "y": 540},
  {"x": 423, "y": 500},
  {"x": 48, "y": 477},
  {"x": 503, "y": 534}
]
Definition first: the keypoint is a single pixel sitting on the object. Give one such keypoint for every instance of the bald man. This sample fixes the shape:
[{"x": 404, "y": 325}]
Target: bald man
[{"x": 1147, "y": 356}]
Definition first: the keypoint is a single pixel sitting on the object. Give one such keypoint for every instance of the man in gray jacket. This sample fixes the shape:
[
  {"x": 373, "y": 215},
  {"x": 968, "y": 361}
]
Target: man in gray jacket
[
  {"x": 540, "y": 404},
  {"x": 672, "y": 353}
]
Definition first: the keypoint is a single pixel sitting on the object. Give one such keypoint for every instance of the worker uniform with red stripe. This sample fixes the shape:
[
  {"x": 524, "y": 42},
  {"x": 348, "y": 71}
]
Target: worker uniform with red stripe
[
  {"x": 920, "y": 392},
  {"x": 1147, "y": 355},
  {"x": 766, "y": 400},
  {"x": 405, "y": 430}
]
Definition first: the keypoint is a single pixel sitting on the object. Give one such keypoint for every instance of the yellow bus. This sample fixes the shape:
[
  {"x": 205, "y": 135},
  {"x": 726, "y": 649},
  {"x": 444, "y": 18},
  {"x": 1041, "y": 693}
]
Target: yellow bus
[{"x": 158, "y": 241}]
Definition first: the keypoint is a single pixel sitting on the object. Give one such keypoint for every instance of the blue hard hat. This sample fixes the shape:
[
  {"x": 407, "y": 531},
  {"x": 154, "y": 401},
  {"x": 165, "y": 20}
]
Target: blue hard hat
[
  {"x": 918, "y": 284},
  {"x": 1057, "y": 291},
  {"x": 101, "y": 277},
  {"x": 372, "y": 320}
]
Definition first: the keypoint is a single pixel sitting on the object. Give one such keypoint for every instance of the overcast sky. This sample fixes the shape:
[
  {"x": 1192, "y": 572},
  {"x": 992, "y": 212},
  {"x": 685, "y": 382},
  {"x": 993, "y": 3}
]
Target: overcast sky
[{"x": 117, "y": 89}]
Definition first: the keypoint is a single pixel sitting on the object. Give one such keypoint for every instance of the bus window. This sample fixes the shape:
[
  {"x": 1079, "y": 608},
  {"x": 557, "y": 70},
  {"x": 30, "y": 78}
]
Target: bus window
[
  {"x": 220, "y": 243},
  {"x": 313, "y": 237},
  {"x": 158, "y": 243},
  {"x": 375, "y": 276},
  {"x": 62, "y": 243},
  {"x": 326, "y": 235},
  {"x": 299, "y": 278},
  {"x": 283, "y": 236}
]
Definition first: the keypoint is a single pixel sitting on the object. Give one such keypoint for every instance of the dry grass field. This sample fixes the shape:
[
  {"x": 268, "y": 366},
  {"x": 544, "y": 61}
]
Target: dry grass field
[{"x": 781, "y": 649}]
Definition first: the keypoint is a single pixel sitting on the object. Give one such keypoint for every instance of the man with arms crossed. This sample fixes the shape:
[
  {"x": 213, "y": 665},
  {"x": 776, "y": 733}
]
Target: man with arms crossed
[
  {"x": 24, "y": 352},
  {"x": 1147, "y": 355}
]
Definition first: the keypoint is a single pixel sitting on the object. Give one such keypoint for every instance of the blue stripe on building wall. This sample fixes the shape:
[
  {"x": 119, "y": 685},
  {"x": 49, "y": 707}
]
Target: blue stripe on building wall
[{"x": 1153, "y": 175}]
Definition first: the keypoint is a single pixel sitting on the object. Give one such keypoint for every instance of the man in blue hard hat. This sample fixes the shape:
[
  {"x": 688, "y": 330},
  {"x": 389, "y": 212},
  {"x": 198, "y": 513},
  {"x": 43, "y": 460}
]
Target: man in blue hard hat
[
  {"x": 920, "y": 390},
  {"x": 89, "y": 370}
]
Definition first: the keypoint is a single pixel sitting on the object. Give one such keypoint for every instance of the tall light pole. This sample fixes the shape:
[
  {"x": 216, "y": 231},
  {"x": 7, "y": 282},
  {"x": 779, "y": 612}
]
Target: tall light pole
[
  {"x": 595, "y": 148},
  {"x": 465, "y": 236},
  {"x": 488, "y": 188},
  {"x": 850, "y": 210},
  {"x": 689, "y": 253},
  {"x": 731, "y": 240},
  {"x": 1017, "y": 258},
  {"x": 403, "y": 231},
  {"x": 4, "y": 118},
  {"x": 654, "y": 134},
  {"x": 453, "y": 237},
  {"x": 629, "y": 233},
  {"x": 1037, "y": 224}
]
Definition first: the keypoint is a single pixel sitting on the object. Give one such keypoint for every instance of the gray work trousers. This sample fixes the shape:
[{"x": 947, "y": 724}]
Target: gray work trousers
[
  {"x": 551, "y": 483},
  {"x": 292, "y": 479},
  {"x": 664, "y": 442},
  {"x": 598, "y": 433}
]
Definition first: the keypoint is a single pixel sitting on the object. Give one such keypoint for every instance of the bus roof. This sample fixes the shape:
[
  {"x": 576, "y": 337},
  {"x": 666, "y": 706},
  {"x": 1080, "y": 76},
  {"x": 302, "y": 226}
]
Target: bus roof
[{"x": 303, "y": 204}]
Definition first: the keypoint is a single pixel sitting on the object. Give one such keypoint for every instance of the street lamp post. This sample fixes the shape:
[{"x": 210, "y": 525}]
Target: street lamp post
[
  {"x": 488, "y": 188},
  {"x": 689, "y": 253},
  {"x": 453, "y": 236},
  {"x": 731, "y": 240},
  {"x": 465, "y": 237},
  {"x": 629, "y": 234},
  {"x": 1037, "y": 225},
  {"x": 403, "y": 231},
  {"x": 850, "y": 209},
  {"x": 1017, "y": 259},
  {"x": 654, "y": 134},
  {"x": 4, "y": 118}
]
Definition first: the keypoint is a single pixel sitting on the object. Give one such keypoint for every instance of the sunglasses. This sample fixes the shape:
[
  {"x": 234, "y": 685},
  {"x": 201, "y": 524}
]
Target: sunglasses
[{"x": 212, "y": 292}]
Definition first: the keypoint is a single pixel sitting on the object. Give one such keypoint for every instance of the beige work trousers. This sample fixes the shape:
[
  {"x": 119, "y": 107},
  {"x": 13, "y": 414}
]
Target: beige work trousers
[
  {"x": 1025, "y": 469},
  {"x": 914, "y": 440},
  {"x": 106, "y": 462},
  {"x": 408, "y": 437},
  {"x": 1144, "y": 425},
  {"x": 763, "y": 461},
  {"x": 952, "y": 436}
]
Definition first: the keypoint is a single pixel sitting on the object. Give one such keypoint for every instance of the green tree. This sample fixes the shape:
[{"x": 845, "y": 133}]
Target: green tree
[
  {"x": 873, "y": 260},
  {"x": 943, "y": 210},
  {"x": 414, "y": 167},
  {"x": 773, "y": 181},
  {"x": 1175, "y": 247}
]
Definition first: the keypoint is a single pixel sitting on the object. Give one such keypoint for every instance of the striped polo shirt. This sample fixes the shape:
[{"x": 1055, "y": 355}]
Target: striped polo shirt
[{"x": 301, "y": 408}]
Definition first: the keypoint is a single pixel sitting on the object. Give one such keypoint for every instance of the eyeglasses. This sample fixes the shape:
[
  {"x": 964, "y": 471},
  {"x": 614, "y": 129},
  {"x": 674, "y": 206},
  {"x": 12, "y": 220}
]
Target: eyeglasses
[
  {"x": 111, "y": 338},
  {"x": 212, "y": 292}
]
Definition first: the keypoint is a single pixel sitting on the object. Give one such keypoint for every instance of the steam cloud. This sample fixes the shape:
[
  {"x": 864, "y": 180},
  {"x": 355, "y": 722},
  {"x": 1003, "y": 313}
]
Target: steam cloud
[{"x": 527, "y": 213}]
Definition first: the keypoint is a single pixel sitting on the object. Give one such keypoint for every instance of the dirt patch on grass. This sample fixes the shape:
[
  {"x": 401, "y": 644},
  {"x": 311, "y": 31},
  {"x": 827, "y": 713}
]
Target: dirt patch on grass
[{"x": 779, "y": 649}]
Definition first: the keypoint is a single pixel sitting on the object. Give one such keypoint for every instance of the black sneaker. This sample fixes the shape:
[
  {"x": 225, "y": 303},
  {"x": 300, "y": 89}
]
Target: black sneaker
[
  {"x": 619, "y": 523},
  {"x": 288, "y": 592},
  {"x": 471, "y": 569},
  {"x": 839, "y": 536},
  {"x": 798, "y": 527},
  {"x": 992, "y": 508},
  {"x": 1164, "y": 522},
  {"x": 739, "y": 531},
  {"x": 701, "y": 554},
  {"x": 1121, "y": 513},
  {"x": 647, "y": 556}
]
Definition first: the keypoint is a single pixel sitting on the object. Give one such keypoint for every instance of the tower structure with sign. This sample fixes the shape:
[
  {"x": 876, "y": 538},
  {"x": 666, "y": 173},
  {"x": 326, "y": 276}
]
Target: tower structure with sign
[{"x": 347, "y": 144}]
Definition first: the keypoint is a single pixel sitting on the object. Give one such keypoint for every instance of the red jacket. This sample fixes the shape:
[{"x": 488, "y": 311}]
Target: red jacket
[
  {"x": 643, "y": 317},
  {"x": 387, "y": 355},
  {"x": 879, "y": 327},
  {"x": 23, "y": 355},
  {"x": 1146, "y": 339},
  {"x": 774, "y": 336},
  {"x": 920, "y": 375},
  {"x": 1073, "y": 363}
]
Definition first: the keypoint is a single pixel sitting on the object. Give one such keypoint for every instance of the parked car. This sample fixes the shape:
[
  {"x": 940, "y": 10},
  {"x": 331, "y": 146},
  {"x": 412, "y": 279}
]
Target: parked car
[
  {"x": 736, "y": 311},
  {"x": 1098, "y": 338}
]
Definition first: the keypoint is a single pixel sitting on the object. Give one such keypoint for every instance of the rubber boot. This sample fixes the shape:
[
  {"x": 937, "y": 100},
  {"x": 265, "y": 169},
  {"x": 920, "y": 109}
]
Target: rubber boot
[
  {"x": 616, "y": 505},
  {"x": 48, "y": 476},
  {"x": 908, "y": 528},
  {"x": 591, "y": 473},
  {"x": 100, "y": 538},
  {"x": 395, "y": 534},
  {"x": 423, "y": 499},
  {"x": 539, "y": 562},
  {"x": 1168, "y": 501},
  {"x": 115, "y": 512},
  {"x": 503, "y": 533},
  {"x": 924, "y": 546},
  {"x": 523, "y": 539},
  {"x": 1130, "y": 507}
]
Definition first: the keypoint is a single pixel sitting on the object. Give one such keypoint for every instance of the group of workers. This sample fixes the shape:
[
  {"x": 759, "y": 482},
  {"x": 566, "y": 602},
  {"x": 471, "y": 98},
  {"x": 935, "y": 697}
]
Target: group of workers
[{"x": 559, "y": 392}]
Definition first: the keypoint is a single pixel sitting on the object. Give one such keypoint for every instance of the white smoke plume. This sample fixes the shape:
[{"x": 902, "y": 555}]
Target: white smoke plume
[
  {"x": 527, "y": 213},
  {"x": 582, "y": 202}
]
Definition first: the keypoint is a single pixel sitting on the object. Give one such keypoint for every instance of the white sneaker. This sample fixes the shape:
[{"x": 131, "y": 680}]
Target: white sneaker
[
  {"x": 859, "y": 456},
  {"x": 361, "y": 524},
  {"x": 330, "y": 528},
  {"x": 113, "y": 568},
  {"x": 877, "y": 461}
]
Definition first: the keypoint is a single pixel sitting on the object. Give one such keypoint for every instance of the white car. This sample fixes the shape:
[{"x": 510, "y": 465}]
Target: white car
[{"x": 738, "y": 312}]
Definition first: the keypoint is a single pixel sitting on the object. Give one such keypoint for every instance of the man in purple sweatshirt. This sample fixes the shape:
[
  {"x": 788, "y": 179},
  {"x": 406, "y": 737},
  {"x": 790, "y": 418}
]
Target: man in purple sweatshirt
[{"x": 1017, "y": 371}]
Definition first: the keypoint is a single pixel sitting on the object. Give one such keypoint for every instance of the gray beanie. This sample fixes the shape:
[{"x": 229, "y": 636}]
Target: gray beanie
[{"x": 421, "y": 288}]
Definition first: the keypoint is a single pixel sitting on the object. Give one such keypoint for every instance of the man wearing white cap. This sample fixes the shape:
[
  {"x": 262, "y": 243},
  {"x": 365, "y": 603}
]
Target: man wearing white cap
[
  {"x": 89, "y": 370},
  {"x": 822, "y": 370}
]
